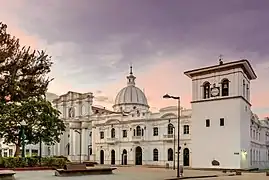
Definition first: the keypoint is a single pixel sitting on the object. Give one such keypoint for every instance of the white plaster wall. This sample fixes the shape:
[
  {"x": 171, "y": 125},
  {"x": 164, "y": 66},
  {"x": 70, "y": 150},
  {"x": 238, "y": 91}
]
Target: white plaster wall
[{"x": 216, "y": 142}]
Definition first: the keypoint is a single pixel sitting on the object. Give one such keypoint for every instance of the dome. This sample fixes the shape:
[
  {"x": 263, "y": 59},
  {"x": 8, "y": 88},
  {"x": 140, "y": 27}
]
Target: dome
[{"x": 130, "y": 97}]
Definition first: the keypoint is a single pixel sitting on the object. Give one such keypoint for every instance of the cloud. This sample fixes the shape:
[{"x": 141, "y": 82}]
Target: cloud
[{"x": 93, "y": 42}]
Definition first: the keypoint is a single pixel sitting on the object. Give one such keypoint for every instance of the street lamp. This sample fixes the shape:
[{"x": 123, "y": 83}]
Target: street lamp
[
  {"x": 23, "y": 124},
  {"x": 166, "y": 96}
]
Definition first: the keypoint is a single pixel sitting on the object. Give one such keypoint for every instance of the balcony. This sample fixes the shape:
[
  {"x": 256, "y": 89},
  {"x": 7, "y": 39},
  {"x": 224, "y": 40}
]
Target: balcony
[
  {"x": 111, "y": 140},
  {"x": 137, "y": 138},
  {"x": 168, "y": 137}
]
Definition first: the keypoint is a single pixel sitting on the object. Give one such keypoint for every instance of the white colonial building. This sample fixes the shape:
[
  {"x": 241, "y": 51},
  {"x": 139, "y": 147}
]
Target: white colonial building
[
  {"x": 134, "y": 135},
  {"x": 220, "y": 131}
]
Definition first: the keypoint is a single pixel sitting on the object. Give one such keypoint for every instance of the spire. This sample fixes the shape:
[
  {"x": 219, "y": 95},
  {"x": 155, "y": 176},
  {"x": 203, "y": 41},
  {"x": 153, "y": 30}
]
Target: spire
[
  {"x": 131, "y": 70},
  {"x": 131, "y": 78}
]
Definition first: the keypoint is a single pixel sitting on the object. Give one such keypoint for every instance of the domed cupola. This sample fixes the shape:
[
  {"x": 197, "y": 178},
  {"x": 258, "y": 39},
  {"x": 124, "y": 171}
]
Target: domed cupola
[{"x": 131, "y": 97}]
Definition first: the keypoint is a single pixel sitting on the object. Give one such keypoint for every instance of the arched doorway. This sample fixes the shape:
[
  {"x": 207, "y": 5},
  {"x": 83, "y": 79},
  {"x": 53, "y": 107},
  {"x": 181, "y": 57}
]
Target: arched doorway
[
  {"x": 124, "y": 157},
  {"x": 113, "y": 157},
  {"x": 138, "y": 155},
  {"x": 102, "y": 155},
  {"x": 186, "y": 157}
]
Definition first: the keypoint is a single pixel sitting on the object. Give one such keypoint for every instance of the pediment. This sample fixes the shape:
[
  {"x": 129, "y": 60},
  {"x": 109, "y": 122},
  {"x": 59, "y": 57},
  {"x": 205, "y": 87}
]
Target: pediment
[{"x": 169, "y": 115}]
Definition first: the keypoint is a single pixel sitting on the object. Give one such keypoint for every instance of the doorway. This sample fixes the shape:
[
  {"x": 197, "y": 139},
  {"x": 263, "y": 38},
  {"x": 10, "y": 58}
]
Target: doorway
[
  {"x": 138, "y": 155},
  {"x": 102, "y": 155},
  {"x": 186, "y": 157},
  {"x": 113, "y": 160},
  {"x": 124, "y": 157}
]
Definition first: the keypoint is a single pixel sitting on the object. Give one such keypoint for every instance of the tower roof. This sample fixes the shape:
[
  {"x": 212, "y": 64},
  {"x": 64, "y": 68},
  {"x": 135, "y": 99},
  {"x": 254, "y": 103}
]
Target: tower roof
[{"x": 244, "y": 64}]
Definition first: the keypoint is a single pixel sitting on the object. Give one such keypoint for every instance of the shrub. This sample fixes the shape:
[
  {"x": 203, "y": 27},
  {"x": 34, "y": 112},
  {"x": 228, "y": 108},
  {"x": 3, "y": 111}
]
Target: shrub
[
  {"x": 15, "y": 162},
  {"x": 32, "y": 161}
]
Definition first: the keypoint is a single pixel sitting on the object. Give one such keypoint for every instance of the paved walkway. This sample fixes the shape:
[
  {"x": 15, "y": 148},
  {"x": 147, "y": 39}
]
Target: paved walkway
[{"x": 136, "y": 173}]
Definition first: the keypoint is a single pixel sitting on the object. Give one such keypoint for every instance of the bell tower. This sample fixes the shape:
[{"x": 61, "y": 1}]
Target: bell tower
[{"x": 221, "y": 114}]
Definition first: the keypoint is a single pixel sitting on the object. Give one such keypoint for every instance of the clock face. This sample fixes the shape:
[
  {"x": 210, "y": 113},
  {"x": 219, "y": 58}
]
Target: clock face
[{"x": 215, "y": 92}]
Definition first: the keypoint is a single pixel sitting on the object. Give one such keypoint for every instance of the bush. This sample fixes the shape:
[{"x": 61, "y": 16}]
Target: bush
[{"x": 16, "y": 162}]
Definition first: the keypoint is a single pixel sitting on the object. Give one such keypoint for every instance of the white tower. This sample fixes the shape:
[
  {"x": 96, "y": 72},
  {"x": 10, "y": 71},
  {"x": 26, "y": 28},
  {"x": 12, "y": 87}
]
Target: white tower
[{"x": 221, "y": 115}]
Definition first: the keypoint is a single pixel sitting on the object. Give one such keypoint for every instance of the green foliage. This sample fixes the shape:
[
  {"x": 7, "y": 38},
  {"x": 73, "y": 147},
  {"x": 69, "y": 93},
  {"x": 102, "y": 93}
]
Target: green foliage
[
  {"x": 24, "y": 78},
  {"x": 17, "y": 162}
]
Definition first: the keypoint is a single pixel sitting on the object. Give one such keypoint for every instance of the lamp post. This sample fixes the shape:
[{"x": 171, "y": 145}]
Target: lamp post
[
  {"x": 166, "y": 96},
  {"x": 174, "y": 155},
  {"x": 23, "y": 124}
]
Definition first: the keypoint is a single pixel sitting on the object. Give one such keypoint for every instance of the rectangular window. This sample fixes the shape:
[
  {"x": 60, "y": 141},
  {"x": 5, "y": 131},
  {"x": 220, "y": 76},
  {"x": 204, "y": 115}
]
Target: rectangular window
[
  {"x": 155, "y": 131},
  {"x": 101, "y": 135},
  {"x": 186, "y": 129},
  {"x": 221, "y": 122},
  {"x": 207, "y": 123},
  {"x": 124, "y": 133}
]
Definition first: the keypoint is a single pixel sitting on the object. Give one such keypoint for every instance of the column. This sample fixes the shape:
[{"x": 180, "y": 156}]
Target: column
[
  {"x": 93, "y": 144},
  {"x": 84, "y": 144},
  {"x": 72, "y": 144}
]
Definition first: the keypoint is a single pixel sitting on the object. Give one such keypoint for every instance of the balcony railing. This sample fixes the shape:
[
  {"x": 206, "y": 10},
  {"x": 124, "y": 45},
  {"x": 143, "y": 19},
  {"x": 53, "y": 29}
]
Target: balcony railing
[
  {"x": 111, "y": 140},
  {"x": 168, "y": 136}
]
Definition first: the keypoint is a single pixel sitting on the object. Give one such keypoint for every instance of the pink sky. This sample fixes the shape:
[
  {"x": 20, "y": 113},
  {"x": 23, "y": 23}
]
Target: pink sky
[{"x": 163, "y": 76}]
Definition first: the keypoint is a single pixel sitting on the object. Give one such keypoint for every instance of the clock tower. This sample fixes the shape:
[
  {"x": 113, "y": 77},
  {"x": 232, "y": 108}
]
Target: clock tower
[{"x": 221, "y": 115}]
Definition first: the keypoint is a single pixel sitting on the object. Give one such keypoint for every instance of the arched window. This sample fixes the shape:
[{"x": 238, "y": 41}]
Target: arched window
[
  {"x": 170, "y": 129},
  {"x": 155, "y": 155},
  {"x": 170, "y": 154},
  {"x": 113, "y": 133},
  {"x": 247, "y": 93},
  {"x": 134, "y": 132},
  {"x": 225, "y": 87},
  {"x": 206, "y": 87},
  {"x": 244, "y": 86},
  {"x": 138, "y": 131}
]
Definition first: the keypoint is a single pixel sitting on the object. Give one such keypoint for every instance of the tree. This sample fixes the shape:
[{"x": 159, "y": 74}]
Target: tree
[{"x": 23, "y": 83}]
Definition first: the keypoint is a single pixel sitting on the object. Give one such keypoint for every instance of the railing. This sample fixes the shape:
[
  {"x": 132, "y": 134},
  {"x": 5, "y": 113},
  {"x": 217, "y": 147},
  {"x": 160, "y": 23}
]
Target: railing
[{"x": 168, "y": 136}]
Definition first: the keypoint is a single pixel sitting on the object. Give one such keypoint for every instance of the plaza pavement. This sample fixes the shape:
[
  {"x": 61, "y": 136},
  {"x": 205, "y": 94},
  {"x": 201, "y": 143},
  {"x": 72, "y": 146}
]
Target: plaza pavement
[{"x": 137, "y": 173}]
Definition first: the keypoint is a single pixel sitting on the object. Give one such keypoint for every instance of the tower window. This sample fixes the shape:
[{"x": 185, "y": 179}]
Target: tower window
[
  {"x": 221, "y": 121},
  {"x": 113, "y": 133},
  {"x": 207, "y": 123},
  {"x": 225, "y": 87},
  {"x": 206, "y": 87}
]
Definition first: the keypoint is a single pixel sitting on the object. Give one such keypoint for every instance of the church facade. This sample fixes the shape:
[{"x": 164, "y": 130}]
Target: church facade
[{"x": 219, "y": 131}]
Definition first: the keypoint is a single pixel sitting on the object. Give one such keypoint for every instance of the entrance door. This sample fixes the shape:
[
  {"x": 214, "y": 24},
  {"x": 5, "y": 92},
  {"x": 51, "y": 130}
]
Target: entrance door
[
  {"x": 186, "y": 157},
  {"x": 102, "y": 155},
  {"x": 138, "y": 155},
  {"x": 124, "y": 157},
  {"x": 112, "y": 157}
]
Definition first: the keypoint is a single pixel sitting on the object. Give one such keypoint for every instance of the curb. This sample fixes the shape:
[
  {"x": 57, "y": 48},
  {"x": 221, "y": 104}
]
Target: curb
[
  {"x": 199, "y": 177},
  {"x": 29, "y": 169}
]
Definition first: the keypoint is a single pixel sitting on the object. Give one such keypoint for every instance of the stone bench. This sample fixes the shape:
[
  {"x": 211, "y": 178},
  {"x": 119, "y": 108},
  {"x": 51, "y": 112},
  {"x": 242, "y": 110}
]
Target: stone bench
[
  {"x": 81, "y": 170},
  {"x": 7, "y": 175}
]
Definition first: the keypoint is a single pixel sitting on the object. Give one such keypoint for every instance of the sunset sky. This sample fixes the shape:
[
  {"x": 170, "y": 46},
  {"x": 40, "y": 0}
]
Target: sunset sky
[{"x": 93, "y": 42}]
